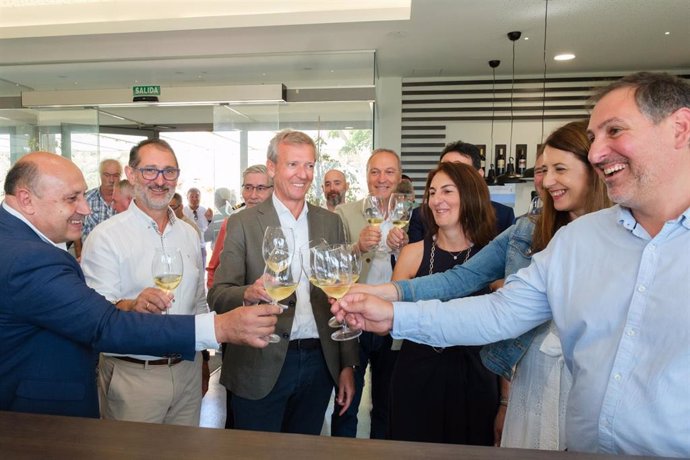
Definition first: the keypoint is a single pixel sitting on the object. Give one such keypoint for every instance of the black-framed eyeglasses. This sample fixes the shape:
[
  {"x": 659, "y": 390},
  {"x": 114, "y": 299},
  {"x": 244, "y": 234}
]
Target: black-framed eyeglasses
[
  {"x": 152, "y": 173},
  {"x": 259, "y": 188}
]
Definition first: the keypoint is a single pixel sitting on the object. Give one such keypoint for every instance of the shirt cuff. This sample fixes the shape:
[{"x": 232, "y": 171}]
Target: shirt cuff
[
  {"x": 410, "y": 321},
  {"x": 205, "y": 331}
]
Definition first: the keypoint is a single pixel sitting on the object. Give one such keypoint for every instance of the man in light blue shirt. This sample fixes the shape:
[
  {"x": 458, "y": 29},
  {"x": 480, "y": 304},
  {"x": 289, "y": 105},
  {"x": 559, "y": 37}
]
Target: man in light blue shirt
[{"x": 616, "y": 283}]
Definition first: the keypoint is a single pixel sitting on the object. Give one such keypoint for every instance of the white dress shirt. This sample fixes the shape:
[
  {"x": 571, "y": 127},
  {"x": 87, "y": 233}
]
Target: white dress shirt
[
  {"x": 304, "y": 324},
  {"x": 117, "y": 256}
]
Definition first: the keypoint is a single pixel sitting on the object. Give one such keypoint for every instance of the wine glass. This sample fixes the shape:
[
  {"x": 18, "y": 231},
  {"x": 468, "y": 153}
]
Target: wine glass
[
  {"x": 281, "y": 276},
  {"x": 400, "y": 209},
  {"x": 167, "y": 268},
  {"x": 356, "y": 267},
  {"x": 280, "y": 238},
  {"x": 375, "y": 213},
  {"x": 334, "y": 276}
]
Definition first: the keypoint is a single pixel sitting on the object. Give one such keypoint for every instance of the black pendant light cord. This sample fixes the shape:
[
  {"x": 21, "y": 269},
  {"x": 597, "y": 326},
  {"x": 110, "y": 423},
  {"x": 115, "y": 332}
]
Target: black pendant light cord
[
  {"x": 543, "y": 94},
  {"x": 512, "y": 88}
]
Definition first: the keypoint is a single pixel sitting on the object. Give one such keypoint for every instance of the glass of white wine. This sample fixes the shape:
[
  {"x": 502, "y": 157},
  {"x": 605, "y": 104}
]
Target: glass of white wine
[
  {"x": 281, "y": 277},
  {"x": 281, "y": 239},
  {"x": 400, "y": 209},
  {"x": 167, "y": 268},
  {"x": 335, "y": 276},
  {"x": 375, "y": 213},
  {"x": 355, "y": 255}
]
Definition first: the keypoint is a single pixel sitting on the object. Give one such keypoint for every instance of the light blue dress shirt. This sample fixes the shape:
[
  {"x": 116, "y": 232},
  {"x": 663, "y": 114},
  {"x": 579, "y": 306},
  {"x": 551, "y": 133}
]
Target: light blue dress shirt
[{"x": 621, "y": 302}]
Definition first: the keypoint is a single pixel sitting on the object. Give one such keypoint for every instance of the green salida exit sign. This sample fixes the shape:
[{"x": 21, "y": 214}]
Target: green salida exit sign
[{"x": 146, "y": 90}]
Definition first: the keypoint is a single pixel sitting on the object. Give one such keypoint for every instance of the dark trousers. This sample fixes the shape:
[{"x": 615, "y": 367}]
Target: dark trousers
[
  {"x": 298, "y": 401},
  {"x": 375, "y": 350}
]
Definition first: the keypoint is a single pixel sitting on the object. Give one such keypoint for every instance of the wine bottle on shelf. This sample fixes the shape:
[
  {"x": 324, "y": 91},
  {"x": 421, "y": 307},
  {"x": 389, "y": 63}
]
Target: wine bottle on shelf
[
  {"x": 521, "y": 155},
  {"x": 500, "y": 159},
  {"x": 482, "y": 156}
]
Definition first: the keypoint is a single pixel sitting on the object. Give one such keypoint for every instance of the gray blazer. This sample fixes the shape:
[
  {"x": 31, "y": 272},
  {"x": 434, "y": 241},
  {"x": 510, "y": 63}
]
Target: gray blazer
[{"x": 250, "y": 372}]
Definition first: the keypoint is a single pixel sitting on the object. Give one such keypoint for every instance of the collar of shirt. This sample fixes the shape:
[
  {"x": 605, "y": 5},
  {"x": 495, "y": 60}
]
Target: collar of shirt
[
  {"x": 136, "y": 210},
  {"x": 284, "y": 213},
  {"x": 628, "y": 221},
  {"x": 19, "y": 216}
]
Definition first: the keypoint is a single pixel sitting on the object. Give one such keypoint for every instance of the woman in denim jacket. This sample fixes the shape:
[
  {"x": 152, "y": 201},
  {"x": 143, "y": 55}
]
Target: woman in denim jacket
[{"x": 533, "y": 361}]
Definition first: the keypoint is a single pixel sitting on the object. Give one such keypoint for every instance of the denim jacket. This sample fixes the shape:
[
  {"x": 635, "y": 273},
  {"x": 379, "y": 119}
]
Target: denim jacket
[{"x": 505, "y": 255}]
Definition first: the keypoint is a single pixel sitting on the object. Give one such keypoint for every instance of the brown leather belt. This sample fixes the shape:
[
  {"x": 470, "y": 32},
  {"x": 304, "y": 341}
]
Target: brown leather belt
[
  {"x": 151, "y": 362},
  {"x": 304, "y": 344}
]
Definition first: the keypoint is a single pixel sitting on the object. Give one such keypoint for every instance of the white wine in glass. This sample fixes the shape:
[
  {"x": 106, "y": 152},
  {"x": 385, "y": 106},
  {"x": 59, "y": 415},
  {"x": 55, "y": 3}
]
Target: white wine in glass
[
  {"x": 167, "y": 268},
  {"x": 400, "y": 209},
  {"x": 375, "y": 213},
  {"x": 335, "y": 279},
  {"x": 281, "y": 284}
]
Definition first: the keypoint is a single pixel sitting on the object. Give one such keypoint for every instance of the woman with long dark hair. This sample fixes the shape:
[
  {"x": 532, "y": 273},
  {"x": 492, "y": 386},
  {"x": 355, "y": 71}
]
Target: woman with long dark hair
[{"x": 445, "y": 395}]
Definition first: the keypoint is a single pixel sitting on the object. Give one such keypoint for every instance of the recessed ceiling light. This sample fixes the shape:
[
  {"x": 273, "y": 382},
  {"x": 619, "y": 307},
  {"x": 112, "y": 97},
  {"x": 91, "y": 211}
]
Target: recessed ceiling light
[
  {"x": 564, "y": 57},
  {"x": 667, "y": 33},
  {"x": 526, "y": 38}
]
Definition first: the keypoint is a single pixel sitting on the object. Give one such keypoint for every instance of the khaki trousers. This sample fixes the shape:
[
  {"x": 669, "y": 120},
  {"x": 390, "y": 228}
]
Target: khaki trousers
[{"x": 150, "y": 393}]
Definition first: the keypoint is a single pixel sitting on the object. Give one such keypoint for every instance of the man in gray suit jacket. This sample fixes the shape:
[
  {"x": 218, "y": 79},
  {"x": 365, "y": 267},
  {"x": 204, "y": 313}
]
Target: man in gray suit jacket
[{"x": 286, "y": 387}]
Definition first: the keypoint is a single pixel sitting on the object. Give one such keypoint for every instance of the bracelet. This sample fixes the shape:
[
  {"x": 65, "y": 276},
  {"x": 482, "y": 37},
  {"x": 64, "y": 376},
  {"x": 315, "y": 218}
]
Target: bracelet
[{"x": 503, "y": 401}]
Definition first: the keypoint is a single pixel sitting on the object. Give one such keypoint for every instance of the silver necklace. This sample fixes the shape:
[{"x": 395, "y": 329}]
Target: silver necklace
[{"x": 455, "y": 256}]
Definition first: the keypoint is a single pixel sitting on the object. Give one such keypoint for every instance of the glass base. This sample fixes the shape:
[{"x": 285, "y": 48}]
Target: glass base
[
  {"x": 345, "y": 334},
  {"x": 273, "y": 338},
  {"x": 334, "y": 323}
]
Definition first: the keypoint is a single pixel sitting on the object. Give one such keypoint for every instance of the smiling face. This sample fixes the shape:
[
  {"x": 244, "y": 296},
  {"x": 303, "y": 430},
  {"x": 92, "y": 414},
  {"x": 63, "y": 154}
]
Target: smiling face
[
  {"x": 57, "y": 206},
  {"x": 566, "y": 179},
  {"x": 444, "y": 200},
  {"x": 152, "y": 195},
  {"x": 383, "y": 174},
  {"x": 292, "y": 172},
  {"x": 629, "y": 151}
]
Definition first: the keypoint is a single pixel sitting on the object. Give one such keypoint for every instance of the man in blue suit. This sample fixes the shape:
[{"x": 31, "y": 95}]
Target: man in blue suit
[
  {"x": 460, "y": 152},
  {"x": 52, "y": 325}
]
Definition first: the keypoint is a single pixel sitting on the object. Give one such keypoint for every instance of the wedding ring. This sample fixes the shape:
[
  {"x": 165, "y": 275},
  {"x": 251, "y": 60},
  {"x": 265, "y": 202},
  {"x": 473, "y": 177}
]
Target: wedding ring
[{"x": 147, "y": 305}]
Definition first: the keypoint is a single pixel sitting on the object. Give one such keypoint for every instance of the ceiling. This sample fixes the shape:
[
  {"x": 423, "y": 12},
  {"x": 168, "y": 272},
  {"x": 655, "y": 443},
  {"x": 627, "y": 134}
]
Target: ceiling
[{"x": 442, "y": 38}]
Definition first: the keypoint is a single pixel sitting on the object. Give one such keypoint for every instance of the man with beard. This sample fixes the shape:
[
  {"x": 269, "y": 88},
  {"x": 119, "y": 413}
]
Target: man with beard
[
  {"x": 335, "y": 188},
  {"x": 117, "y": 263}
]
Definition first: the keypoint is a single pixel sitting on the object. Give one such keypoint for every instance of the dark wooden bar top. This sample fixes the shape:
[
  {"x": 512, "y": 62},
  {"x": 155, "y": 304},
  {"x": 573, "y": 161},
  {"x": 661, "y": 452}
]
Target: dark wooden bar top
[{"x": 29, "y": 436}]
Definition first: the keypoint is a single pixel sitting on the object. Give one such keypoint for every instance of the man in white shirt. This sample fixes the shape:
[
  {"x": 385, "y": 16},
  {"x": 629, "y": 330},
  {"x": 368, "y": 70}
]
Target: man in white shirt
[
  {"x": 117, "y": 263},
  {"x": 285, "y": 387}
]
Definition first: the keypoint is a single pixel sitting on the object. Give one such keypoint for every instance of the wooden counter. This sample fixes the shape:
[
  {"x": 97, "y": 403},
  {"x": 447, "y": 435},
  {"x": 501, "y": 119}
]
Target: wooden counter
[{"x": 29, "y": 436}]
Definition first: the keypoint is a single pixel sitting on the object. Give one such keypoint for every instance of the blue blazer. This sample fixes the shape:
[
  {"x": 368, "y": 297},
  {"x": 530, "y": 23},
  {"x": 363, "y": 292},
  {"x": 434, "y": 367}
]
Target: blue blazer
[
  {"x": 52, "y": 326},
  {"x": 504, "y": 219}
]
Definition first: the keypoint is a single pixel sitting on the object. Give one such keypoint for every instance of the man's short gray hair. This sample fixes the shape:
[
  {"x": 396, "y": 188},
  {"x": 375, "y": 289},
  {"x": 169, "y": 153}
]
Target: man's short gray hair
[
  {"x": 288, "y": 136},
  {"x": 256, "y": 169}
]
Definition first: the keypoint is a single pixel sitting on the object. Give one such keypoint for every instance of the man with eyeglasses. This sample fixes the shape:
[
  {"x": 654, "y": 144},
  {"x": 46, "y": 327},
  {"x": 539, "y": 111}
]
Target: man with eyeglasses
[
  {"x": 256, "y": 187},
  {"x": 100, "y": 199},
  {"x": 201, "y": 216},
  {"x": 117, "y": 263}
]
